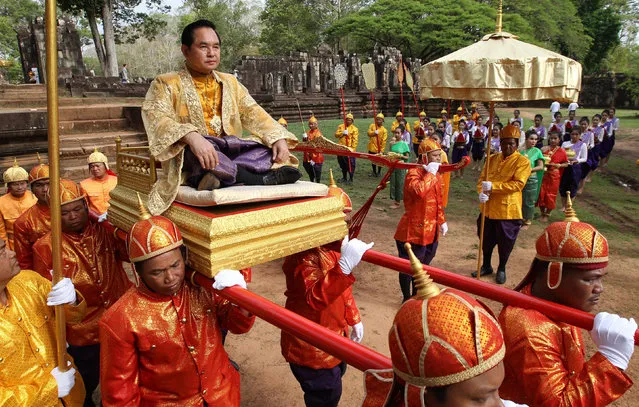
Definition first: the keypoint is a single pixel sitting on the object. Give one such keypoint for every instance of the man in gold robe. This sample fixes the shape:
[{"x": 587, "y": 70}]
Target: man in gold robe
[
  {"x": 15, "y": 202},
  {"x": 499, "y": 187},
  {"x": 92, "y": 259},
  {"x": 36, "y": 221},
  {"x": 195, "y": 120},
  {"x": 99, "y": 185},
  {"x": 347, "y": 135},
  {"x": 28, "y": 372}
]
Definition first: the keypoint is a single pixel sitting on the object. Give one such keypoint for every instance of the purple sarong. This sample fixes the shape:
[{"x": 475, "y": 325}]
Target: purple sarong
[{"x": 232, "y": 152}]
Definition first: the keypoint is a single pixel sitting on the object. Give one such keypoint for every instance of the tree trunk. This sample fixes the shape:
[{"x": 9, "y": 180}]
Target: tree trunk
[
  {"x": 97, "y": 40},
  {"x": 109, "y": 39}
]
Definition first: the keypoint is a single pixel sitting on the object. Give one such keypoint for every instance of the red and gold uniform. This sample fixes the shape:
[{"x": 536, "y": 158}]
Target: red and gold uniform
[
  {"x": 172, "y": 353},
  {"x": 423, "y": 198},
  {"x": 438, "y": 338},
  {"x": 12, "y": 207},
  {"x": 28, "y": 350},
  {"x": 317, "y": 158},
  {"x": 30, "y": 226},
  {"x": 92, "y": 259},
  {"x": 317, "y": 289},
  {"x": 33, "y": 224},
  {"x": 545, "y": 359}
]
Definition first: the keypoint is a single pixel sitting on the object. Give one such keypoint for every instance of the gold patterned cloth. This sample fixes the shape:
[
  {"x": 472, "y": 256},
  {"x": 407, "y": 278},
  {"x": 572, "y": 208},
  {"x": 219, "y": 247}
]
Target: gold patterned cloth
[
  {"x": 317, "y": 289},
  {"x": 10, "y": 210},
  {"x": 30, "y": 226},
  {"x": 509, "y": 176},
  {"x": 171, "y": 353},
  {"x": 175, "y": 106},
  {"x": 545, "y": 364},
  {"x": 501, "y": 68},
  {"x": 92, "y": 259},
  {"x": 28, "y": 345},
  {"x": 97, "y": 192}
]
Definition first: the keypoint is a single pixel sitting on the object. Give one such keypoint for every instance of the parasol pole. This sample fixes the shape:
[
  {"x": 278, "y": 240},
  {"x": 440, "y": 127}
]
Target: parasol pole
[
  {"x": 299, "y": 111},
  {"x": 506, "y": 296},
  {"x": 482, "y": 207},
  {"x": 54, "y": 171}
]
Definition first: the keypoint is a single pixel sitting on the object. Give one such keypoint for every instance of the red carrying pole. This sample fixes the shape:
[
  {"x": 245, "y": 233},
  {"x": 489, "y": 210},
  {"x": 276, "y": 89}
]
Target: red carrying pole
[
  {"x": 416, "y": 104},
  {"x": 494, "y": 292},
  {"x": 356, "y": 355},
  {"x": 341, "y": 90}
]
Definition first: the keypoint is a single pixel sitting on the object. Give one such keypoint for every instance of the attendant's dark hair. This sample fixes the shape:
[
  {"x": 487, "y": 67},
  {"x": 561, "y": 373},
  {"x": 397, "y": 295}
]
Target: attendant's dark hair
[
  {"x": 606, "y": 111},
  {"x": 584, "y": 119},
  {"x": 440, "y": 393},
  {"x": 540, "y": 117},
  {"x": 597, "y": 116},
  {"x": 556, "y": 114},
  {"x": 187, "y": 33},
  {"x": 498, "y": 124},
  {"x": 530, "y": 133}
]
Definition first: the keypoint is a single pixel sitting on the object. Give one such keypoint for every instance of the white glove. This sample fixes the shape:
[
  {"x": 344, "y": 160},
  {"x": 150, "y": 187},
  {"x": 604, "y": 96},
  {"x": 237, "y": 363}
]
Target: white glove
[
  {"x": 443, "y": 229},
  {"x": 62, "y": 293},
  {"x": 345, "y": 132},
  {"x": 486, "y": 186},
  {"x": 65, "y": 380},
  {"x": 432, "y": 167},
  {"x": 304, "y": 137},
  {"x": 312, "y": 162},
  {"x": 228, "y": 278},
  {"x": 102, "y": 217},
  {"x": 483, "y": 198},
  {"x": 376, "y": 132},
  {"x": 508, "y": 403},
  {"x": 357, "y": 333},
  {"x": 352, "y": 252},
  {"x": 614, "y": 337}
]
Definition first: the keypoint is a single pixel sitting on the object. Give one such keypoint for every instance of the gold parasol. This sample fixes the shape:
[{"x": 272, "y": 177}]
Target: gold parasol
[{"x": 500, "y": 68}]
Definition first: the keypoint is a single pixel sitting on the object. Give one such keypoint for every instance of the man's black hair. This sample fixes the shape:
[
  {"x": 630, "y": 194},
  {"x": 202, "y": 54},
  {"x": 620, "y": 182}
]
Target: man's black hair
[{"x": 187, "y": 33}]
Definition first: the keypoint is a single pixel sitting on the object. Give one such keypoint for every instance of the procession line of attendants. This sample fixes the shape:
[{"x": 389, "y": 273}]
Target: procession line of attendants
[{"x": 160, "y": 341}]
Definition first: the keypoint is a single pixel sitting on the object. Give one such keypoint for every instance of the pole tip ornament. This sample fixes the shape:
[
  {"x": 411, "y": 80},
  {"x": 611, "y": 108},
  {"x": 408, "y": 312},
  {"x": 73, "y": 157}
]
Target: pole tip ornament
[
  {"x": 426, "y": 288},
  {"x": 144, "y": 214},
  {"x": 498, "y": 23},
  {"x": 570, "y": 214}
]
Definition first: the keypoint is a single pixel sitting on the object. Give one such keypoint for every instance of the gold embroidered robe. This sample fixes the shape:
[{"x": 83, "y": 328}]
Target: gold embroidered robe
[{"x": 173, "y": 108}]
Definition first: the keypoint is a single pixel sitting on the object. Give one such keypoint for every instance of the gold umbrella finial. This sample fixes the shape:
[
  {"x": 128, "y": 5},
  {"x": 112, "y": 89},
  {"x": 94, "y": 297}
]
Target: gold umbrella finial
[
  {"x": 144, "y": 214},
  {"x": 15, "y": 162},
  {"x": 570, "y": 215},
  {"x": 39, "y": 158},
  {"x": 498, "y": 25},
  {"x": 426, "y": 288},
  {"x": 330, "y": 177}
]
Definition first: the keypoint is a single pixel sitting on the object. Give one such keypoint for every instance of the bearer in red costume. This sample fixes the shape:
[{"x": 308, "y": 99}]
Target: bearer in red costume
[
  {"x": 319, "y": 287},
  {"x": 36, "y": 221},
  {"x": 545, "y": 360},
  {"x": 423, "y": 220},
  {"x": 92, "y": 259},
  {"x": 313, "y": 161},
  {"x": 161, "y": 342},
  {"x": 447, "y": 351}
]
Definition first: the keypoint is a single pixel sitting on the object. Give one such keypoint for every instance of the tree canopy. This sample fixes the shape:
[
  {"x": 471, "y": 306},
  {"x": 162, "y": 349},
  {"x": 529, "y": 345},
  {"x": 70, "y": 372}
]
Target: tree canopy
[{"x": 12, "y": 14}]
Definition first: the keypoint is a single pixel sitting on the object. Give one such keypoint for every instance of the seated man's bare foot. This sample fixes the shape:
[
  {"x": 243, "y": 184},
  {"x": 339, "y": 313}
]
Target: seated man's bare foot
[{"x": 209, "y": 182}]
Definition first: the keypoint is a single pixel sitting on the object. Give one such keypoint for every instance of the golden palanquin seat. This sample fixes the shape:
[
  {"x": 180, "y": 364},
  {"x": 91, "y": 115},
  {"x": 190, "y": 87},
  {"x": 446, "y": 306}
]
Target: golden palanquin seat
[{"x": 229, "y": 236}]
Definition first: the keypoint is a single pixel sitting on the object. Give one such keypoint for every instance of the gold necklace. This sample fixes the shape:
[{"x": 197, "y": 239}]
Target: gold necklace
[{"x": 216, "y": 121}]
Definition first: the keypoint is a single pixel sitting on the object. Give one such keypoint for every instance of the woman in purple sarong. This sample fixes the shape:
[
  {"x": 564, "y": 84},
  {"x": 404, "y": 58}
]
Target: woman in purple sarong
[
  {"x": 577, "y": 153},
  {"x": 611, "y": 125}
]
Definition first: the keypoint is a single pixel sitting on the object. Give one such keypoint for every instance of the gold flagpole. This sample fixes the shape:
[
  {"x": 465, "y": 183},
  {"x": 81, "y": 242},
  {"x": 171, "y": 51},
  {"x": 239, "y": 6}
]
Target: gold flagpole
[{"x": 51, "y": 30}]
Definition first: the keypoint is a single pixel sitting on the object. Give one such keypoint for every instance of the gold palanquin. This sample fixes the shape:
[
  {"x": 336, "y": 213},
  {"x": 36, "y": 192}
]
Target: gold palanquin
[{"x": 228, "y": 237}]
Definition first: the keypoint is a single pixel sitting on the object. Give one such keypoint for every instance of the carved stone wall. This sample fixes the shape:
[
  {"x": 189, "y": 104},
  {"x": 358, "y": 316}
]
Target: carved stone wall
[{"x": 31, "y": 40}]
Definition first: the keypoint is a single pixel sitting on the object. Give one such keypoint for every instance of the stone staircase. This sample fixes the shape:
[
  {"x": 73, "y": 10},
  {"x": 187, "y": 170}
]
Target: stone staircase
[{"x": 81, "y": 129}]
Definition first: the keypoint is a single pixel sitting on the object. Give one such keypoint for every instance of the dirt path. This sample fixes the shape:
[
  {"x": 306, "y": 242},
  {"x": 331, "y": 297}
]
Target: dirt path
[{"x": 266, "y": 377}]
